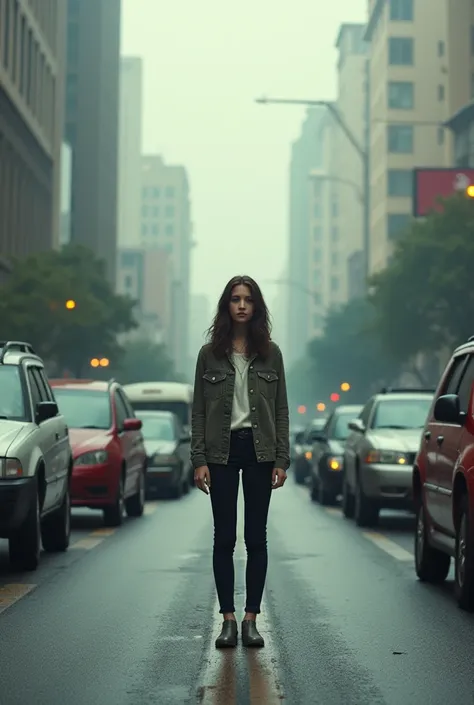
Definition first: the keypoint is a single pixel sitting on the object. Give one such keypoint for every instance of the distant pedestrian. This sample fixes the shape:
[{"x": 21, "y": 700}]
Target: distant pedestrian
[{"x": 240, "y": 422}]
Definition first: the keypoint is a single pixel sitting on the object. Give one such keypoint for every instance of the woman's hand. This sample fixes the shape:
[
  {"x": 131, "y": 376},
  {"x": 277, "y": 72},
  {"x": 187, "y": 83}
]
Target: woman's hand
[
  {"x": 202, "y": 478},
  {"x": 278, "y": 478}
]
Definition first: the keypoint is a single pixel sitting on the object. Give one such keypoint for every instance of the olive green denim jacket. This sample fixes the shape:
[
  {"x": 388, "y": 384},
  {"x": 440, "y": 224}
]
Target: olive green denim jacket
[{"x": 212, "y": 408}]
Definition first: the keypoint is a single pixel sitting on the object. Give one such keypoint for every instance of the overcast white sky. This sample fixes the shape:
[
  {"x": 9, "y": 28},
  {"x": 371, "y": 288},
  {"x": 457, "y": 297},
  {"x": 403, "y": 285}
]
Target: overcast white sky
[{"x": 204, "y": 64}]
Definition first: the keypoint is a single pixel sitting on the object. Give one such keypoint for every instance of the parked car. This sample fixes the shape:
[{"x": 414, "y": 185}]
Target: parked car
[
  {"x": 108, "y": 449},
  {"x": 167, "y": 446},
  {"x": 443, "y": 481},
  {"x": 35, "y": 459},
  {"x": 327, "y": 462},
  {"x": 380, "y": 452},
  {"x": 303, "y": 449}
]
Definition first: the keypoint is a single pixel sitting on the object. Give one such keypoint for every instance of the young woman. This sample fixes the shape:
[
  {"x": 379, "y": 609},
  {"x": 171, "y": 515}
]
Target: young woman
[{"x": 240, "y": 422}]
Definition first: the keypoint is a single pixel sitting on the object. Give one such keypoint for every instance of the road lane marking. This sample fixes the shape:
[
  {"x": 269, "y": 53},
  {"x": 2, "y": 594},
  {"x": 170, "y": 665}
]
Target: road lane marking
[
  {"x": 11, "y": 593},
  {"x": 219, "y": 681},
  {"x": 390, "y": 547},
  {"x": 103, "y": 532},
  {"x": 86, "y": 544},
  {"x": 265, "y": 688},
  {"x": 150, "y": 509}
]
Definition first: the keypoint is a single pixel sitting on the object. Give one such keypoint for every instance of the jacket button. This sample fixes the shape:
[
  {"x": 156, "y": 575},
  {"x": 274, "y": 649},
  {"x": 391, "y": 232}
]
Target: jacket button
[
  {"x": 253, "y": 408},
  {"x": 255, "y": 425},
  {"x": 251, "y": 391},
  {"x": 257, "y": 441},
  {"x": 251, "y": 367},
  {"x": 213, "y": 379}
]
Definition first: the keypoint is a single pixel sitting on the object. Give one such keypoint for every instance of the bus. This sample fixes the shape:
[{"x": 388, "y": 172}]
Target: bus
[{"x": 162, "y": 396}]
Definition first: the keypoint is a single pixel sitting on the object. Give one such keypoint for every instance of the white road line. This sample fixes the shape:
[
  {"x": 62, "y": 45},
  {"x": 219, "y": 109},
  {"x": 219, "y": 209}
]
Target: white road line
[{"x": 390, "y": 547}]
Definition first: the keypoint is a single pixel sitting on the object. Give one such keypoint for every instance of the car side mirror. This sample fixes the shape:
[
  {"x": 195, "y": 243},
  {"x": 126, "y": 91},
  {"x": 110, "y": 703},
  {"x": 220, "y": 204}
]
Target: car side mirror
[
  {"x": 46, "y": 410},
  {"x": 357, "y": 425},
  {"x": 448, "y": 409},
  {"x": 318, "y": 437},
  {"x": 132, "y": 424}
]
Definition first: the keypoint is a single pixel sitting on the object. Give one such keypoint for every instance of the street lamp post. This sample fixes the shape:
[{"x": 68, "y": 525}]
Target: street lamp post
[{"x": 362, "y": 151}]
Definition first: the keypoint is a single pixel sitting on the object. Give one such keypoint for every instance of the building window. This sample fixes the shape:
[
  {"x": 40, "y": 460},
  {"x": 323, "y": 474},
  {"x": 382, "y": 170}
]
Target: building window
[
  {"x": 169, "y": 192},
  {"x": 334, "y": 284},
  {"x": 169, "y": 211},
  {"x": 401, "y": 10},
  {"x": 156, "y": 192},
  {"x": 400, "y": 183},
  {"x": 169, "y": 230},
  {"x": 317, "y": 277},
  {"x": 335, "y": 208},
  {"x": 400, "y": 139},
  {"x": 144, "y": 211},
  {"x": 335, "y": 259},
  {"x": 144, "y": 229},
  {"x": 400, "y": 51},
  {"x": 317, "y": 210},
  {"x": 318, "y": 255},
  {"x": 401, "y": 95},
  {"x": 155, "y": 230},
  {"x": 155, "y": 212},
  {"x": 144, "y": 192},
  {"x": 441, "y": 92},
  {"x": 397, "y": 223},
  {"x": 335, "y": 234},
  {"x": 128, "y": 282},
  {"x": 317, "y": 233},
  {"x": 441, "y": 48},
  {"x": 440, "y": 136}
]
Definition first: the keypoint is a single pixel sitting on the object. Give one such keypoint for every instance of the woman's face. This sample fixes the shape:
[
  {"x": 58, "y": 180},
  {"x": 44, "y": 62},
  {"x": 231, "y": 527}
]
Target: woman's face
[{"x": 241, "y": 305}]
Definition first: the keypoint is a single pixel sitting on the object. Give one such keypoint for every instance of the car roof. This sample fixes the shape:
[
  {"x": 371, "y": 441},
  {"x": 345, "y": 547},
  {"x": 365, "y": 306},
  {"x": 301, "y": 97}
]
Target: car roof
[
  {"x": 149, "y": 412},
  {"x": 348, "y": 407},
  {"x": 88, "y": 385}
]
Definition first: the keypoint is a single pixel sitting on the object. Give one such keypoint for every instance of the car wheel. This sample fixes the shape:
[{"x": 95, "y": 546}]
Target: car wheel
[
  {"x": 464, "y": 561},
  {"x": 56, "y": 528},
  {"x": 299, "y": 475},
  {"x": 325, "y": 496},
  {"x": 135, "y": 504},
  {"x": 348, "y": 501},
  {"x": 314, "y": 490},
  {"x": 25, "y": 544},
  {"x": 366, "y": 511},
  {"x": 113, "y": 514},
  {"x": 431, "y": 565}
]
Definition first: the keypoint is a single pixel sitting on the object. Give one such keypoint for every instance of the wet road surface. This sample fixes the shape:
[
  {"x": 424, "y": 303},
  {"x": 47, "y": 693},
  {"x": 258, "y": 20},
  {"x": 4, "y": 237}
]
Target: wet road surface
[{"x": 129, "y": 617}]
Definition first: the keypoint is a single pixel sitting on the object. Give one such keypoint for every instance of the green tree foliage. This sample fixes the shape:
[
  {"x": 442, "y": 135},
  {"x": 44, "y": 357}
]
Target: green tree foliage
[
  {"x": 350, "y": 351},
  {"x": 424, "y": 300},
  {"x": 145, "y": 361},
  {"x": 33, "y": 308}
]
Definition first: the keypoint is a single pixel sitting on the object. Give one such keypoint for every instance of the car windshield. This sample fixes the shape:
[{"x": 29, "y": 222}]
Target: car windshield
[
  {"x": 340, "y": 430},
  {"x": 401, "y": 413},
  {"x": 156, "y": 428},
  {"x": 180, "y": 408},
  {"x": 12, "y": 400},
  {"x": 84, "y": 409}
]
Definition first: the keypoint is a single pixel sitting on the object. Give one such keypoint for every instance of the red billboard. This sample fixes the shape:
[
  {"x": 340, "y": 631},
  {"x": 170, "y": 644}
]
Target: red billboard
[{"x": 431, "y": 184}]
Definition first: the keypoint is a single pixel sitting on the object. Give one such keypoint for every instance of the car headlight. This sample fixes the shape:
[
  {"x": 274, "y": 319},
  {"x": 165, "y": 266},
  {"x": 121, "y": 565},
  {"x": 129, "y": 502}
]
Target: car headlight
[
  {"x": 10, "y": 468},
  {"x": 386, "y": 457},
  {"x": 335, "y": 463},
  {"x": 158, "y": 459},
  {"x": 93, "y": 457}
]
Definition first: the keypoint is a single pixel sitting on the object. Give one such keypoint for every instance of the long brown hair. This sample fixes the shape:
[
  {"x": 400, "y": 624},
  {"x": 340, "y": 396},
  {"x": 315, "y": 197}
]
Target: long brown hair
[{"x": 259, "y": 327}]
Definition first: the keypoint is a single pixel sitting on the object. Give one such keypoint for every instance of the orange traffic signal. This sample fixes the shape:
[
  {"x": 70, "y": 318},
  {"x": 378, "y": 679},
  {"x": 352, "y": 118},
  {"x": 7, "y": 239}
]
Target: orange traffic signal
[
  {"x": 302, "y": 409},
  {"x": 321, "y": 406},
  {"x": 345, "y": 386},
  {"x": 70, "y": 304},
  {"x": 335, "y": 396},
  {"x": 95, "y": 362},
  {"x": 104, "y": 362}
]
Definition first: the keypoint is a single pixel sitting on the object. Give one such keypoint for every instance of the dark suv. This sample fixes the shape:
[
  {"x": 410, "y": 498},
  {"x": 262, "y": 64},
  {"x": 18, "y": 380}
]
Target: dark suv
[{"x": 443, "y": 481}]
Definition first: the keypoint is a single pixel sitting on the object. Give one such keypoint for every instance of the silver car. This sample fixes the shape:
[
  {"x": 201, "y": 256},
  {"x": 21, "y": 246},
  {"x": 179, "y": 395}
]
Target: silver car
[
  {"x": 379, "y": 454},
  {"x": 35, "y": 459}
]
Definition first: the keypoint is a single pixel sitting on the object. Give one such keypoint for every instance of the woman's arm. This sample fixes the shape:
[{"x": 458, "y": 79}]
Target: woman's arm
[
  {"x": 198, "y": 422},
  {"x": 282, "y": 422}
]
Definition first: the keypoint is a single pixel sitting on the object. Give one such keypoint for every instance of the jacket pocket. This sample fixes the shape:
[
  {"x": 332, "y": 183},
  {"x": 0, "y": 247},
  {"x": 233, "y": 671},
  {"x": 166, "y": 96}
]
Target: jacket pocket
[
  {"x": 267, "y": 383},
  {"x": 214, "y": 384}
]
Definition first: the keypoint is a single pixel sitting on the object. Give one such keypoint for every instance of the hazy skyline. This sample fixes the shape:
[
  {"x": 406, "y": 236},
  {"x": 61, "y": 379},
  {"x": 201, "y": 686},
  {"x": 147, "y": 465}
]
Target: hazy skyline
[{"x": 204, "y": 65}]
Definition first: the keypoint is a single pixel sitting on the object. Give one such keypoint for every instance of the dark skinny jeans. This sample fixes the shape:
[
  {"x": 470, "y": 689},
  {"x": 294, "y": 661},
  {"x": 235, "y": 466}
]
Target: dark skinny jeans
[{"x": 257, "y": 486}]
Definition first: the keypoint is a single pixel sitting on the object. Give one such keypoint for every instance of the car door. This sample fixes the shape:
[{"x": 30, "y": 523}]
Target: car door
[
  {"x": 320, "y": 447},
  {"x": 441, "y": 442},
  {"x": 63, "y": 449},
  {"x": 354, "y": 445},
  {"x": 46, "y": 440},
  {"x": 131, "y": 443},
  {"x": 450, "y": 443}
]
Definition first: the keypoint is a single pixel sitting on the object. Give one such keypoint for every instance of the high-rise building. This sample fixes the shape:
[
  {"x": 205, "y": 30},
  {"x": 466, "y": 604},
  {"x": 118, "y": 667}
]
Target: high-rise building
[
  {"x": 32, "y": 46},
  {"x": 91, "y": 128},
  {"x": 130, "y": 151},
  {"x": 166, "y": 225},
  {"x": 420, "y": 74},
  {"x": 200, "y": 320},
  {"x": 306, "y": 155},
  {"x": 347, "y": 167}
]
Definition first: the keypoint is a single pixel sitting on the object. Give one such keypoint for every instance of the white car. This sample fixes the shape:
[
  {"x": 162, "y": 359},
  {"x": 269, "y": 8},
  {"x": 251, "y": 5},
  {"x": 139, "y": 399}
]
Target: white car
[{"x": 35, "y": 459}]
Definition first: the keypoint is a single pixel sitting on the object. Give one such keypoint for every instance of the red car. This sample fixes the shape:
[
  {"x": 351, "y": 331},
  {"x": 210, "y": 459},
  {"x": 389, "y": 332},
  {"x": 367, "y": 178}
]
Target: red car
[
  {"x": 108, "y": 448},
  {"x": 443, "y": 481}
]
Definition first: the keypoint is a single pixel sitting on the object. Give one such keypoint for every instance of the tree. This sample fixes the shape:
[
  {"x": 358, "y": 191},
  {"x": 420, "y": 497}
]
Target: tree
[
  {"x": 145, "y": 361},
  {"x": 424, "y": 300},
  {"x": 33, "y": 308},
  {"x": 350, "y": 351}
]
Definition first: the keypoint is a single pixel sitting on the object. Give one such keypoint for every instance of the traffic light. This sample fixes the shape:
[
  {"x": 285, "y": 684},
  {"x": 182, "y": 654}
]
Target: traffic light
[
  {"x": 335, "y": 396},
  {"x": 70, "y": 304},
  {"x": 345, "y": 386},
  {"x": 470, "y": 191},
  {"x": 302, "y": 409},
  {"x": 104, "y": 362},
  {"x": 321, "y": 406},
  {"x": 94, "y": 362}
]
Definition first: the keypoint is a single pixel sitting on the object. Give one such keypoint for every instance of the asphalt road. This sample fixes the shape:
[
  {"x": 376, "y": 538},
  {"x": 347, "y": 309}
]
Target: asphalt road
[{"x": 128, "y": 617}]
